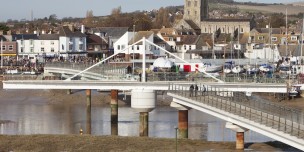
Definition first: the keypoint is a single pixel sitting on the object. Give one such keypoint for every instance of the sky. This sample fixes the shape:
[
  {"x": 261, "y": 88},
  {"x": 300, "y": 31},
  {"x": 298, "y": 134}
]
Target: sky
[{"x": 21, "y": 9}]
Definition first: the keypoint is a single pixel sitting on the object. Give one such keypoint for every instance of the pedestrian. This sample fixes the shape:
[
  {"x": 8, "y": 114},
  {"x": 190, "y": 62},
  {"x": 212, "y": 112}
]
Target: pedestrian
[
  {"x": 191, "y": 90},
  {"x": 203, "y": 89},
  {"x": 196, "y": 89}
]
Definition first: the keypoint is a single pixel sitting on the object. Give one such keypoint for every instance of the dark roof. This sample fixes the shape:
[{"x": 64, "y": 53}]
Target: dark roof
[
  {"x": 48, "y": 37},
  {"x": 2, "y": 38},
  {"x": 227, "y": 20},
  {"x": 192, "y": 25},
  {"x": 267, "y": 30},
  {"x": 24, "y": 37},
  {"x": 65, "y": 31},
  {"x": 190, "y": 39},
  {"x": 158, "y": 40},
  {"x": 204, "y": 39},
  {"x": 111, "y": 31},
  {"x": 94, "y": 39}
]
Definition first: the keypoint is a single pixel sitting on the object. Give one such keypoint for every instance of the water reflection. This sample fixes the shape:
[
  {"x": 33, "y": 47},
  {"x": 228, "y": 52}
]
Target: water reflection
[{"x": 35, "y": 116}]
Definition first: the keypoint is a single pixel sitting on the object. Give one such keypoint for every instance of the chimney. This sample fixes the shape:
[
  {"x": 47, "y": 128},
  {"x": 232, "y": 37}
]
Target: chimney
[{"x": 82, "y": 29}]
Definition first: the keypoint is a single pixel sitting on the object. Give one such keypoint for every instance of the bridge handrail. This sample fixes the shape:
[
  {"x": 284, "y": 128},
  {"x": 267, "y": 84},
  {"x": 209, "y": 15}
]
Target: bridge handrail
[{"x": 282, "y": 118}]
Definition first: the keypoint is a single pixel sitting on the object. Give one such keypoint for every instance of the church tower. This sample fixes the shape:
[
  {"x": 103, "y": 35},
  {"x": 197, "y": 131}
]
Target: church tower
[{"x": 196, "y": 10}]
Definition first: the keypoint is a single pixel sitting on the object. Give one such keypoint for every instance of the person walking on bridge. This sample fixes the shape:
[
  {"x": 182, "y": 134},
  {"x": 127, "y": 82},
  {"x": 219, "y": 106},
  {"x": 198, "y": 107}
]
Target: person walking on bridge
[
  {"x": 196, "y": 89},
  {"x": 191, "y": 90}
]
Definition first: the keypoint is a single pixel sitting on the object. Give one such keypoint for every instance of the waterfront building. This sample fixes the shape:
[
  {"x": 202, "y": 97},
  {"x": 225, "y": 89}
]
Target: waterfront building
[
  {"x": 46, "y": 46},
  {"x": 9, "y": 47},
  {"x": 26, "y": 45},
  {"x": 72, "y": 43}
]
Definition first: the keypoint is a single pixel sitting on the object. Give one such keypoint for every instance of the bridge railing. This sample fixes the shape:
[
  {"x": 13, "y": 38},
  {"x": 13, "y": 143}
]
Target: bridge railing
[
  {"x": 100, "y": 69},
  {"x": 282, "y": 118},
  {"x": 120, "y": 69}
]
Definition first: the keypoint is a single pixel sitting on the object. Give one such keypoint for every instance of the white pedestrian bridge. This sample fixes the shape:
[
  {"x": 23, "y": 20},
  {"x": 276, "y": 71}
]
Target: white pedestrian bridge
[{"x": 223, "y": 100}]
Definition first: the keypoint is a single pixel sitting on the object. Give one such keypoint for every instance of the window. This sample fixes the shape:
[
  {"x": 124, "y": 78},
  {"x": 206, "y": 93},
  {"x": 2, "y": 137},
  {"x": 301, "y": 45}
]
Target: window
[
  {"x": 122, "y": 47},
  {"x": 188, "y": 12},
  {"x": 42, "y": 49},
  {"x": 189, "y": 3},
  {"x": 274, "y": 38},
  {"x": 31, "y": 42},
  {"x": 242, "y": 30},
  {"x": 70, "y": 47},
  {"x": 189, "y": 47},
  {"x": 118, "y": 47},
  {"x": 21, "y": 49},
  {"x": 42, "y": 42},
  {"x": 52, "y": 42},
  {"x": 261, "y": 38},
  {"x": 294, "y": 38},
  {"x": 62, "y": 46},
  {"x": 3, "y": 47},
  {"x": 52, "y": 49},
  {"x": 170, "y": 38},
  {"x": 133, "y": 47},
  {"x": 32, "y": 49},
  {"x": 185, "y": 47},
  {"x": 137, "y": 47},
  {"x": 21, "y": 42},
  {"x": 10, "y": 47},
  {"x": 195, "y": 3},
  {"x": 80, "y": 46}
]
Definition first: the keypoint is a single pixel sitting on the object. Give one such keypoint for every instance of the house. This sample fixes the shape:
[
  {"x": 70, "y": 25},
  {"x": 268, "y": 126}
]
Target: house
[
  {"x": 97, "y": 47},
  {"x": 109, "y": 34},
  {"x": 71, "y": 43},
  {"x": 25, "y": 45},
  {"x": 8, "y": 47},
  {"x": 47, "y": 46}
]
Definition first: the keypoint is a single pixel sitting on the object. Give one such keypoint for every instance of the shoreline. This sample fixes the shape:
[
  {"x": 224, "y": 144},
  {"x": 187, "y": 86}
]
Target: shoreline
[{"x": 69, "y": 143}]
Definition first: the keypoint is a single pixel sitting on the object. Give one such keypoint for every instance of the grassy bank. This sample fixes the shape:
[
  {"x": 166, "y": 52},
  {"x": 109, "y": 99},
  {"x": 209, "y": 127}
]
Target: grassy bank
[{"x": 87, "y": 143}]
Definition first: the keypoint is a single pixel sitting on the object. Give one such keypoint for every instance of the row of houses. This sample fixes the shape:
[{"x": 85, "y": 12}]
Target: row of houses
[{"x": 104, "y": 41}]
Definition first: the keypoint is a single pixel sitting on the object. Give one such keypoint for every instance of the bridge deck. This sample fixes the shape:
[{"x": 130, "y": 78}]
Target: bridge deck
[{"x": 275, "y": 121}]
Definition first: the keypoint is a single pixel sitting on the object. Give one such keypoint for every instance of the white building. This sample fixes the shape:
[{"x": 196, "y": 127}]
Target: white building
[
  {"x": 47, "y": 45},
  {"x": 71, "y": 44},
  {"x": 25, "y": 45},
  {"x": 128, "y": 39}
]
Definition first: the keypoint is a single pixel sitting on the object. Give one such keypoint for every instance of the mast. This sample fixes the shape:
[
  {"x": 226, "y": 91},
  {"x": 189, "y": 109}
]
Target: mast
[
  {"x": 286, "y": 35},
  {"x": 302, "y": 32}
]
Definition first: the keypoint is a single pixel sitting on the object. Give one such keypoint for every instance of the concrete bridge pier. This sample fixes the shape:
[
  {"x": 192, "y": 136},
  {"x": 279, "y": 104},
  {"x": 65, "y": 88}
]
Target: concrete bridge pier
[
  {"x": 143, "y": 101},
  {"x": 69, "y": 91},
  {"x": 239, "y": 134},
  {"x": 89, "y": 106},
  {"x": 182, "y": 119},
  {"x": 114, "y": 112}
]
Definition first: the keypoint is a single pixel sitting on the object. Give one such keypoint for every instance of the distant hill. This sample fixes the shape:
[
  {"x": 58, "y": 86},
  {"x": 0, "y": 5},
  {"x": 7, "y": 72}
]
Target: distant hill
[
  {"x": 270, "y": 8},
  {"x": 297, "y": 3}
]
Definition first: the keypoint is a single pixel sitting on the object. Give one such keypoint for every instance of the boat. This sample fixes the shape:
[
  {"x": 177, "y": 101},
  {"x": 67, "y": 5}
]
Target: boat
[
  {"x": 208, "y": 68},
  {"x": 237, "y": 69}
]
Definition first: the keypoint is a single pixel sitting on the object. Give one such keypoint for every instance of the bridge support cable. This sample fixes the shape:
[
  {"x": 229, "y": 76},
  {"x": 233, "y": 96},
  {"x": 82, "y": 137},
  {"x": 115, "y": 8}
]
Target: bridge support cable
[
  {"x": 183, "y": 60},
  {"x": 70, "y": 78}
]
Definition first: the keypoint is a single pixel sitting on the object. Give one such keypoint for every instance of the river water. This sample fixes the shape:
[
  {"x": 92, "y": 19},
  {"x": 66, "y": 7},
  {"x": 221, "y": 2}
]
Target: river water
[{"x": 33, "y": 115}]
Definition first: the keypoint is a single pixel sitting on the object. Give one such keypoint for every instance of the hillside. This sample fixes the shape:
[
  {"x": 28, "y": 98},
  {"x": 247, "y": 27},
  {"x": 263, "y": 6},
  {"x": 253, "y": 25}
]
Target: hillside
[{"x": 291, "y": 9}]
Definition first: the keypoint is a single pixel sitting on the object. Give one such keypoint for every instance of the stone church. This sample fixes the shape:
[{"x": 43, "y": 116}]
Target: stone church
[{"x": 196, "y": 17}]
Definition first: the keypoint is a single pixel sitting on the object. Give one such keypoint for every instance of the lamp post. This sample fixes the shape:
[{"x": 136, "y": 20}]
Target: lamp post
[
  {"x": 176, "y": 129},
  {"x": 133, "y": 49},
  {"x": 1, "y": 54}
]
